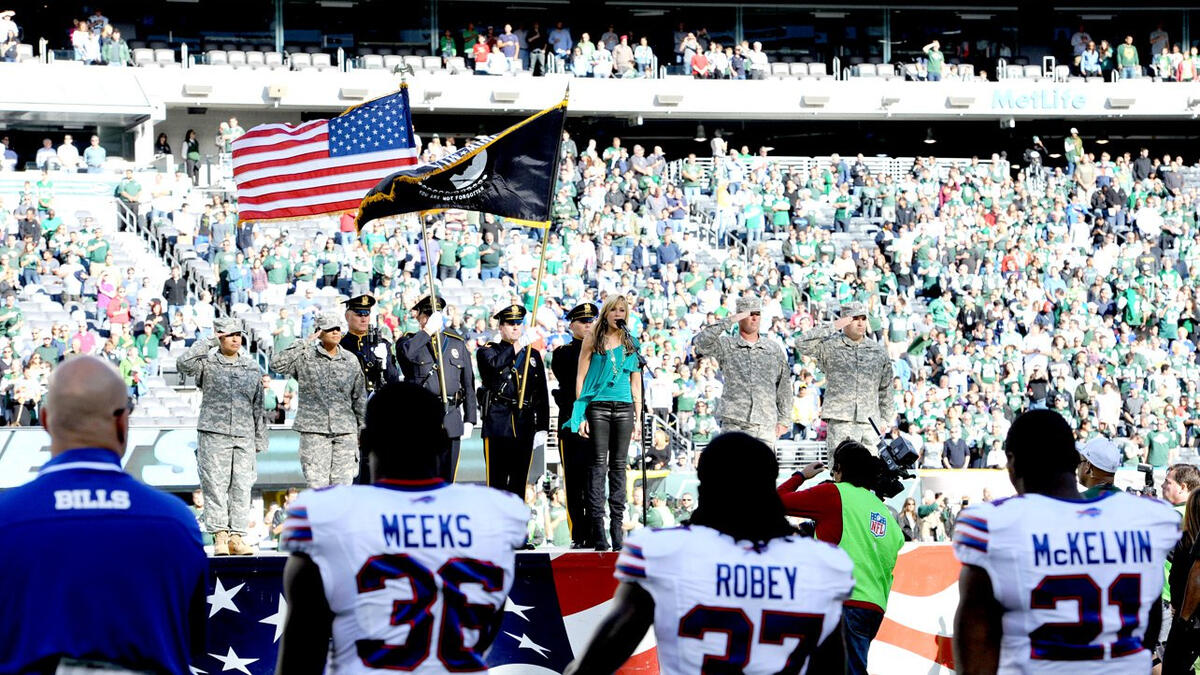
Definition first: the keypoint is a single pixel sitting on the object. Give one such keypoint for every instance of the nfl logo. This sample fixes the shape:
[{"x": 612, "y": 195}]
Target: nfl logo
[{"x": 878, "y": 524}]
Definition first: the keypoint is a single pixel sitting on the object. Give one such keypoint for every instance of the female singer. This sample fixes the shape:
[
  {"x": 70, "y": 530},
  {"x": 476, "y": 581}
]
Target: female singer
[{"x": 608, "y": 411}]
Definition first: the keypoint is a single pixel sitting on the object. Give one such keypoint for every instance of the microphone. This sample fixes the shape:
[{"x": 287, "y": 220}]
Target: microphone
[{"x": 621, "y": 325}]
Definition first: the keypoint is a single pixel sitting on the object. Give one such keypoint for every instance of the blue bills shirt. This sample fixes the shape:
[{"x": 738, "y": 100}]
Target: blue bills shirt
[{"x": 98, "y": 566}]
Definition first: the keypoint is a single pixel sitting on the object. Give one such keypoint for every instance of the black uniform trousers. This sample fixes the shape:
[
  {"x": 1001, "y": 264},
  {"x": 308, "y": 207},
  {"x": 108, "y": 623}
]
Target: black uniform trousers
[
  {"x": 508, "y": 460},
  {"x": 448, "y": 462},
  {"x": 576, "y": 457}
]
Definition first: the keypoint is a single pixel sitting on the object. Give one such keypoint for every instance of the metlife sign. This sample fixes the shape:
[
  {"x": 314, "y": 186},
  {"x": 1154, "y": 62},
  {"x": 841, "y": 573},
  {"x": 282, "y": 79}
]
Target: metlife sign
[{"x": 1062, "y": 99}]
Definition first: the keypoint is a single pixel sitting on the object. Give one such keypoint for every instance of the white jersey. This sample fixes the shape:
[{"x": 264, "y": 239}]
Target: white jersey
[
  {"x": 412, "y": 569},
  {"x": 718, "y": 603},
  {"x": 1076, "y": 578}
]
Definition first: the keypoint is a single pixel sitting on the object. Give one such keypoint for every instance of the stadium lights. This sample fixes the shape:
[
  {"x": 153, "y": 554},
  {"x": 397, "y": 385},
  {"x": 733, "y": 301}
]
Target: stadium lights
[
  {"x": 1102, "y": 139},
  {"x": 700, "y": 136},
  {"x": 929, "y": 139},
  {"x": 1121, "y": 103}
]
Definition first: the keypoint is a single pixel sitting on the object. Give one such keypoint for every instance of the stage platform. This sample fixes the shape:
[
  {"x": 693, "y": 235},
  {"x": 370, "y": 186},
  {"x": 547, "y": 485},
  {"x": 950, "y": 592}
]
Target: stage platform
[{"x": 556, "y": 602}]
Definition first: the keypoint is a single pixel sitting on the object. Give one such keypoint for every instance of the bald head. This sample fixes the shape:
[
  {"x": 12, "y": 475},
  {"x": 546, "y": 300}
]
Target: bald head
[{"x": 83, "y": 396}]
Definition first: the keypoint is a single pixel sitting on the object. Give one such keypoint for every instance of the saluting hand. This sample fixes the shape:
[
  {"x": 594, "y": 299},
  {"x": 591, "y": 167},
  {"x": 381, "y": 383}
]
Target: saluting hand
[{"x": 842, "y": 322}]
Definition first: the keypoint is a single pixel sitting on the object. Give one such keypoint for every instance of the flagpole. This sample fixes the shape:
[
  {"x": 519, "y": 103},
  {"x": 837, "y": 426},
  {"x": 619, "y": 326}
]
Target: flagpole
[
  {"x": 433, "y": 303},
  {"x": 433, "y": 298},
  {"x": 537, "y": 297}
]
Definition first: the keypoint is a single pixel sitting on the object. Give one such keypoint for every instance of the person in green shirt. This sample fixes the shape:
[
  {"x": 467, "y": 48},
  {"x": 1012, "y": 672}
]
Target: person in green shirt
[
  {"x": 469, "y": 258},
  {"x": 1161, "y": 443},
  {"x": 934, "y": 61},
  {"x": 489, "y": 258},
  {"x": 842, "y": 205},
  {"x": 1127, "y": 59},
  {"x": 447, "y": 266}
]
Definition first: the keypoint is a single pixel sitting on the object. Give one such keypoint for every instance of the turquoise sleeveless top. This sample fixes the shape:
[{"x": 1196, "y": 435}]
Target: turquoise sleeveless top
[{"x": 607, "y": 380}]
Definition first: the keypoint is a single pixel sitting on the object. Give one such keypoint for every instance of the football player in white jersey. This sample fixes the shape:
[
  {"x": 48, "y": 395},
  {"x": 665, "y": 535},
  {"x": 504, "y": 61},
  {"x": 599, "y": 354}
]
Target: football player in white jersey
[
  {"x": 734, "y": 591},
  {"x": 409, "y": 573},
  {"x": 1053, "y": 582}
]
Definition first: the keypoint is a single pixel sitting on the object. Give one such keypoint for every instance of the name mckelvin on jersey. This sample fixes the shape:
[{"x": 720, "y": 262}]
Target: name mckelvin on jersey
[{"x": 1093, "y": 547}]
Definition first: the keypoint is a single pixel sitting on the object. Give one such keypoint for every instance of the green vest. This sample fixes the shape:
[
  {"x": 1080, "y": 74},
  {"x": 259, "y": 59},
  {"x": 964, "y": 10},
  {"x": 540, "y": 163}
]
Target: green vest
[{"x": 872, "y": 539}]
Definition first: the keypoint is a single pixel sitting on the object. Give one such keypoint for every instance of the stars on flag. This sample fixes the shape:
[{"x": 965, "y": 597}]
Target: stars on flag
[
  {"x": 378, "y": 125},
  {"x": 223, "y": 599}
]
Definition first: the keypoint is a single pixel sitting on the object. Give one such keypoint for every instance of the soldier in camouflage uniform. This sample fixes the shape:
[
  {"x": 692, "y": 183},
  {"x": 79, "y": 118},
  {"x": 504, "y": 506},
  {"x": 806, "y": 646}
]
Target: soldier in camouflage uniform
[
  {"x": 758, "y": 383},
  {"x": 231, "y": 429},
  {"x": 858, "y": 378},
  {"x": 333, "y": 402}
]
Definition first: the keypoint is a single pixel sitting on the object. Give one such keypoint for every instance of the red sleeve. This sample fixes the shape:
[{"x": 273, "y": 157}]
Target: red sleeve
[
  {"x": 789, "y": 486},
  {"x": 822, "y": 503}
]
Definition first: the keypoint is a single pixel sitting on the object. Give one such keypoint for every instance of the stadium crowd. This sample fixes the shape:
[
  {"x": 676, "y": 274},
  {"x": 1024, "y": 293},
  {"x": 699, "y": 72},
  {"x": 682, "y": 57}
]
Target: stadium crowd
[{"x": 995, "y": 290}]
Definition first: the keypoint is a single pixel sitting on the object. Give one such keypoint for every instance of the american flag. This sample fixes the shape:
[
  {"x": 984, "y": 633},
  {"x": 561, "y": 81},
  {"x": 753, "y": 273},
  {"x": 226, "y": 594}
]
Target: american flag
[
  {"x": 549, "y": 616},
  {"x": 323, "y": 166}
]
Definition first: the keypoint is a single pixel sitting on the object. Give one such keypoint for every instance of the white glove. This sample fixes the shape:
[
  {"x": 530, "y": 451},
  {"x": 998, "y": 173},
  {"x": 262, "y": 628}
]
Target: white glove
[
  {"x": 434, "y": 323},
  {"x": 539, "y": 439},
  {"x": 468, "y": 429},
  {"x": 527, "y": 338}
]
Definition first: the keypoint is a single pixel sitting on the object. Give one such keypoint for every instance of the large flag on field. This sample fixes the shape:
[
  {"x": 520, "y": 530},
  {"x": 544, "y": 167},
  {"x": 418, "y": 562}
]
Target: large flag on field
[
  {"x": 323, "y": 166},
  {"x": 510, "y": 175}
]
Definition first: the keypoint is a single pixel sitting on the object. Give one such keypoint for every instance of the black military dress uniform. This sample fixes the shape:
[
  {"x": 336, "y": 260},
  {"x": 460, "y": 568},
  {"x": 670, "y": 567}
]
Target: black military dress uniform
[
  {"x": 576, "y": 453},
  {"x": 377, "y": 360},
  {"x": 418, "y": 363},
  {"x": 508, "y": 429}
]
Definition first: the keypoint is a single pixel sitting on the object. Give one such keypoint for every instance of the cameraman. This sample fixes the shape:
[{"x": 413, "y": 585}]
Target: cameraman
[{"x": 849, "y": 515}]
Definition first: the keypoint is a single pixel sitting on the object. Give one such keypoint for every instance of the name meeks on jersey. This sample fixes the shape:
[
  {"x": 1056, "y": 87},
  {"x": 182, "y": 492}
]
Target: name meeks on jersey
[
  {"x": 427, "y": 530},
  {"x": 1094, "y": 548}
]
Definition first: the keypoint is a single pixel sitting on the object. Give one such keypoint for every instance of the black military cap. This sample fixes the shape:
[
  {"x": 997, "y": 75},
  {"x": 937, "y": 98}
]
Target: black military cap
[
  {"x": 426, "y": 306},
  {"x": 510, "y": 314},
  {"x": 585, "y": 312},
  {"x": 361, "y": 302}
]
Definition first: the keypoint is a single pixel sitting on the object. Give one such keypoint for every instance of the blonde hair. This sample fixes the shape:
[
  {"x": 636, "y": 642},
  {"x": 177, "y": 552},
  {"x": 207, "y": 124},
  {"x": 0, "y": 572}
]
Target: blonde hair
[{"x": 600, "y": 329}]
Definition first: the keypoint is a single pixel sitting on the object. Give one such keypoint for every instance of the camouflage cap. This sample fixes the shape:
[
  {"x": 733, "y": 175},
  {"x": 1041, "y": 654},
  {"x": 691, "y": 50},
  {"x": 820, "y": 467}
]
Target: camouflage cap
[
  {"x": 328, "y": 321},
  {"x": 852, "y": 309},
  {"x": 749, "y": 303},
  {"x": 227, "y": 325}
]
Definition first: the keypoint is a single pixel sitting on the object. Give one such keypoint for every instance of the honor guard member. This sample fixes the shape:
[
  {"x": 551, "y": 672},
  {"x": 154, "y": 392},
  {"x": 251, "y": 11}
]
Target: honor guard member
[
  {"x": 510, "y": 431},
  {"x": 333, "y": 403},
  {"x": 858, "y": 377},
  {"x": 229, "y": 433},
  {"x": 102, "y": 573},
  {"x": 575, "y": 452},
  {"x": 419, "y": 364},
  {"x": 374, "y": 354}
]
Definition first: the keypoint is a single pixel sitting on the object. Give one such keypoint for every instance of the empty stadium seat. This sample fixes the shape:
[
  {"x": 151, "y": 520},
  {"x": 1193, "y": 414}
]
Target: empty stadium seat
[
  {"x": 1033, "y": 72},
  {"x": 456, "y": 65},
  {"x": 413, "y": 62},
  {"x": 966, "y": 71},
  {"x": 372, "y": 61},
  {"x": 256, "y": 59},
  {"x": 273, "y": 60},
  {"x": 322, "y": 61},
  {"x": 24, "y": 53},
  {"x": 300, "y": 60},
  {"x": 237, "y": 58},
  {"x": 798, "y": 69},
  {"x": 431, "y": 62},
  {"x": 217, "y": 57},
  {"x": 143, "y": 57},
  {"x": 818, "y": 70},
  {"x": 164, "y": 57},
  {"x": 780, "y": 70},
  {"x": 391, "y": 61},
  {"x": 885, "y": 70},
  {"x": 864, "y": 70}
]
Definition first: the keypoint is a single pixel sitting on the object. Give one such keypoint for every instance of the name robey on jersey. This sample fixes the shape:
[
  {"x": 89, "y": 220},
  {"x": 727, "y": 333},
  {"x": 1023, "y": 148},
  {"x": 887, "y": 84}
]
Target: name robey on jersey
[
  {"x": 1076, "y": 578},
  {"x": 413, "y": 570},
  {"x": 719, "y": 603}
]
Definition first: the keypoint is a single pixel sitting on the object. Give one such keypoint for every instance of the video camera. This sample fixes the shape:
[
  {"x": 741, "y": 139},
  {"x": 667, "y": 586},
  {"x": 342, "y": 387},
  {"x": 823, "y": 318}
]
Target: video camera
[
  {"x": 549, "y": 482},
  {"x": 898, "y": 458},
  {"x": 1147, "y": 490}
]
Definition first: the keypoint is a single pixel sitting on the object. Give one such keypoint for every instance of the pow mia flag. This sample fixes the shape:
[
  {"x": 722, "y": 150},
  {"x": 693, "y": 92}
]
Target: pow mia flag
[{"x": 509, "y": 175}]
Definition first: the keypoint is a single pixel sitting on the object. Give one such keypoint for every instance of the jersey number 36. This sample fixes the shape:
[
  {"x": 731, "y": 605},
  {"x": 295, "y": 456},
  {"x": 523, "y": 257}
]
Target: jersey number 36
[{"x": 457, "y": 612}]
